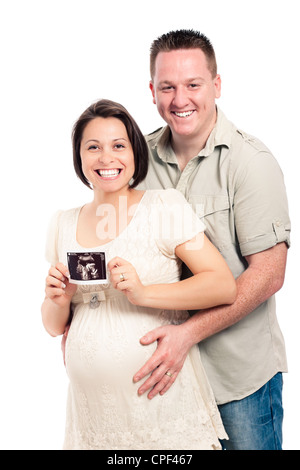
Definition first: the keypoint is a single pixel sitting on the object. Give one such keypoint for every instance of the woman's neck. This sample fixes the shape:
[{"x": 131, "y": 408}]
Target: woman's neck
[
  {"x": 113, "y": 198},
  {"x": 106, "y": 216}
]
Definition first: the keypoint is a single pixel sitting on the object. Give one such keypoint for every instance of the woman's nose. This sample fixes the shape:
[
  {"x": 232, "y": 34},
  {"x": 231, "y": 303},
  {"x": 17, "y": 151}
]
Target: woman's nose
[{"x": 105, "y": 157}]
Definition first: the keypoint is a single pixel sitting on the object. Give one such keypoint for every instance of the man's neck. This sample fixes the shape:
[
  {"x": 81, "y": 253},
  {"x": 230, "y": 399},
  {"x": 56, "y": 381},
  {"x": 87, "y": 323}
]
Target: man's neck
[
  {"x": 185, "y": 150},
  {"x": 187, "y": 147}
]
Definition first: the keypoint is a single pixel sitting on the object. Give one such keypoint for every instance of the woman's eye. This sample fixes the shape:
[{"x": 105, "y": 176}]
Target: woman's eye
[
  {"x": 92, "y": 147},
  {"x": 119, "y": 146}
]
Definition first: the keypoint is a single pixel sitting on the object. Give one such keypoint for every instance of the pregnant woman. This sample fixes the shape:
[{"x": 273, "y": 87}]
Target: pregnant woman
[{"x": 145, "y": 235}]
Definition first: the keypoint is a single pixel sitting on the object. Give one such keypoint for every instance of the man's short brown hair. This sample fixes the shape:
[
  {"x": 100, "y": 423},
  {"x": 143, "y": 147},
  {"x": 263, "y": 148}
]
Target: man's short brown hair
[{"x": 183, "y": 39}]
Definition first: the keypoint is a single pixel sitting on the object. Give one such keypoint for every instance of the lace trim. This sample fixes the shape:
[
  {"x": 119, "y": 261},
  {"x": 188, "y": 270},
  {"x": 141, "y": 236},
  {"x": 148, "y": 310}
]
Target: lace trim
[
  {"x": 170, "y": 436},
  {"x": 135, "y": 428}
]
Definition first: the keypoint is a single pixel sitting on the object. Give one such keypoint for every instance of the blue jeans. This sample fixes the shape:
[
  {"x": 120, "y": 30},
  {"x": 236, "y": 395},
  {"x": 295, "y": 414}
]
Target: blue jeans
[{"x": 255, "y": 422}]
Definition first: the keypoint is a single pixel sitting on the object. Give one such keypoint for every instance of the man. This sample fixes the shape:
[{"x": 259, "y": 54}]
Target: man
[{"x": 234, "y": 183}]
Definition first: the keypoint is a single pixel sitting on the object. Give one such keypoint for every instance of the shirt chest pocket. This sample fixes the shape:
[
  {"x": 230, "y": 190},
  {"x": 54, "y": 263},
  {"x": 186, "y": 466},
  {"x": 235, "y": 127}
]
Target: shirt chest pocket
[{"x": 216, "y": 214}]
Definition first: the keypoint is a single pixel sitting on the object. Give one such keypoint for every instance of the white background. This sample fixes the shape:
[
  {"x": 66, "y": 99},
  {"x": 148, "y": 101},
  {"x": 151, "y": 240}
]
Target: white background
[{"x": 56, "y": 58}]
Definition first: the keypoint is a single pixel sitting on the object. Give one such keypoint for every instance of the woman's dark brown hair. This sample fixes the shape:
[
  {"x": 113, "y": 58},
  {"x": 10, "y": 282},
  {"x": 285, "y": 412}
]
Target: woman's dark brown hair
[{"x": 107, "y": 109}]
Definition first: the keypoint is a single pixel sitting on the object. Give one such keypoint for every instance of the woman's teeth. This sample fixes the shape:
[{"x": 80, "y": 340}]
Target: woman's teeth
[{"x": 108, "y": 173}]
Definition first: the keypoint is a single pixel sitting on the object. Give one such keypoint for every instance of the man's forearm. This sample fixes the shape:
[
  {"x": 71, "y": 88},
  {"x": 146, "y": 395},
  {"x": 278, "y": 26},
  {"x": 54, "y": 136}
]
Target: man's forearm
[
  {"x": 208, "y": 322},
  {"x": 254, "y": 286}
]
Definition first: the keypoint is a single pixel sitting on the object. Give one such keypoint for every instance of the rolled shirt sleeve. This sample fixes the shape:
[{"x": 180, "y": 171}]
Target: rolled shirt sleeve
[{"x": 260, "y": 205}]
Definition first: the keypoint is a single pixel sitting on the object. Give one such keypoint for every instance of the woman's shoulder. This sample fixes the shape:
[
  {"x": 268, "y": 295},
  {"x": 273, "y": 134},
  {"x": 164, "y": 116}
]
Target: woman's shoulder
[{"x": 62, "y": 216}]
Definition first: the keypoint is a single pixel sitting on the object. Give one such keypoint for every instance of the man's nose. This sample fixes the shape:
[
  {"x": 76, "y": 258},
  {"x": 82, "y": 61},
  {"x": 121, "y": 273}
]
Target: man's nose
[{"x": 180, "y": 99}]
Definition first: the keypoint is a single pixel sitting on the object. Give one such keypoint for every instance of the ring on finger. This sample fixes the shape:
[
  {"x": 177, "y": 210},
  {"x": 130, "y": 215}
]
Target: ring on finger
[
  {"x": 122, "y": 277},
  {"x": 168, "y": 374}
]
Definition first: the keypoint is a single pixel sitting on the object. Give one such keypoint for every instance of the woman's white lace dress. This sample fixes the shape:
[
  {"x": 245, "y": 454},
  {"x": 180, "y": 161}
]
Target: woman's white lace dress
[{"x": 103, "y": 351}]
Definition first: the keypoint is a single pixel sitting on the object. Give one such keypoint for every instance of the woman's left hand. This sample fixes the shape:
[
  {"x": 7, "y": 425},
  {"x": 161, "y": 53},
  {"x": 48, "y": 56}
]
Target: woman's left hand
[{"x": 123, "y": 277}]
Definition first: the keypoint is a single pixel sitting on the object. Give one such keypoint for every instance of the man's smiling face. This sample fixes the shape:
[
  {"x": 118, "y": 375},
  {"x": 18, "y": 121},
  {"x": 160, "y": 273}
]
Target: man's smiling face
[{"x": 185, "y": 91}]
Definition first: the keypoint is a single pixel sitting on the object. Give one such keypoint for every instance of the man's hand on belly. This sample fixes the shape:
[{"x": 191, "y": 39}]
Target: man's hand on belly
[{"x": 166, "y": 362}]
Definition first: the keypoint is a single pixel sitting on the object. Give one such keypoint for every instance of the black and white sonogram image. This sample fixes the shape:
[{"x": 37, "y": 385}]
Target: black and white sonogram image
[{"x": 87, "y": 268}]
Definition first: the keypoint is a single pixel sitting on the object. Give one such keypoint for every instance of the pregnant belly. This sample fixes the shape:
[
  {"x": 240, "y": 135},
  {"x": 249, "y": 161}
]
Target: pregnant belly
[{"x": 104, "y": 348}]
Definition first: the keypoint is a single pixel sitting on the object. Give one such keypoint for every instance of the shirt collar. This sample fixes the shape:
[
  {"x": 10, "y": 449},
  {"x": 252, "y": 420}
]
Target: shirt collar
[
  {"x": 219, "y": 136},
  {"x": 164, "y": 147}
]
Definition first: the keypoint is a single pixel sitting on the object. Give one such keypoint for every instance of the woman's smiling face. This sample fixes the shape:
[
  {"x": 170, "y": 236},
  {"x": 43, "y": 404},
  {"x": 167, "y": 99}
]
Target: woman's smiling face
[{"x": 107, "y": 155}]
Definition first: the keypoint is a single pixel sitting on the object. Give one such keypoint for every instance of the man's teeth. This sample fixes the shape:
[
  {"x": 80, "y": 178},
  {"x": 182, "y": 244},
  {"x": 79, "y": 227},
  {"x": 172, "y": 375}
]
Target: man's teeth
[
  {"x": 107, "y": 173},
  {"x": 185, "y": 114}
]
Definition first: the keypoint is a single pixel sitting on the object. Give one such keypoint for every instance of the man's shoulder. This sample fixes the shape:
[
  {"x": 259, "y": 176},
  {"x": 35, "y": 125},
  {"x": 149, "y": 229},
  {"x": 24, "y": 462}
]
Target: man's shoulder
[
  {"x": 236, "y": 138},
  {"x": 245, "y": 147},
  {"x": 155, "y": 135},
  {"x": 250, "y": 141}
]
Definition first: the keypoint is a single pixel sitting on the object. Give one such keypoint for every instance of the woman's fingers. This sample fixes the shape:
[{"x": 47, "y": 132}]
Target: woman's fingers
[
  {"x": 56, "y": 281},
  {"x": 120, "y": 272},
  {"x": 59, "y": 271}
]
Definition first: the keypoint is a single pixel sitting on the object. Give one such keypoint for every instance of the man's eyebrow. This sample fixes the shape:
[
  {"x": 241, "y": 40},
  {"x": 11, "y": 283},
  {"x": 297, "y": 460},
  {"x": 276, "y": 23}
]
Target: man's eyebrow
[
  {"x": 188, "y": 80},
  {"x": 165, "y": 82},
  {"x": 195, "y": 79}
]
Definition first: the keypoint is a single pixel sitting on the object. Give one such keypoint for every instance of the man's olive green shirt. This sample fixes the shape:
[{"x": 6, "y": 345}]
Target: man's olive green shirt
[{"x": 236, "y": 187}]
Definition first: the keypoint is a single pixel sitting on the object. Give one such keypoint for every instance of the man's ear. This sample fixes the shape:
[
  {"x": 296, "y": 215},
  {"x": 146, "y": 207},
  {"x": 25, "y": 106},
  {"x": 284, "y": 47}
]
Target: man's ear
[
  {"x": 217, "y": 82},
  {"x": 151, "y": 86}
]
